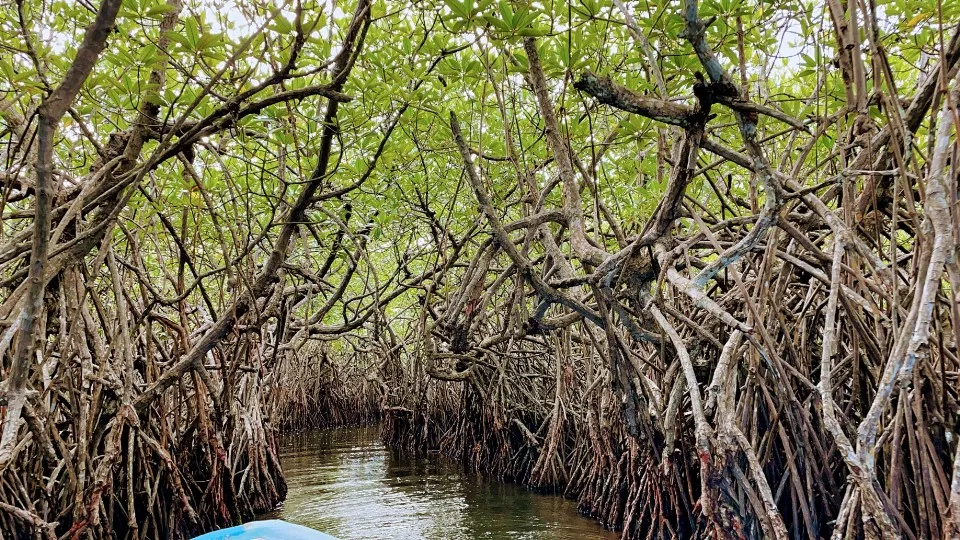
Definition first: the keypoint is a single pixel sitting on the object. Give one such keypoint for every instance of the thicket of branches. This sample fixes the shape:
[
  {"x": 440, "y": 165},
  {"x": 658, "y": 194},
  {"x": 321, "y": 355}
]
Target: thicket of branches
[{"x": 622, "y": 253}]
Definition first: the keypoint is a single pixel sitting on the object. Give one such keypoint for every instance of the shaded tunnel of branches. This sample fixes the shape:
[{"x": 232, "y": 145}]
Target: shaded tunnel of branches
[{"x": 767, "y": 349}]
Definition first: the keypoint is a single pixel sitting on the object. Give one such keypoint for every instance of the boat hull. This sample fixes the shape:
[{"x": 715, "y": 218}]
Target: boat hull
[{"x": 272, "y": 529}]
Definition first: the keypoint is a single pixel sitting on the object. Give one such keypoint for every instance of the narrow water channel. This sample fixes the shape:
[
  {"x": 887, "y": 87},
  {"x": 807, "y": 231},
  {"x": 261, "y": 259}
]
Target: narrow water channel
[{"x": 345, "y": 482}]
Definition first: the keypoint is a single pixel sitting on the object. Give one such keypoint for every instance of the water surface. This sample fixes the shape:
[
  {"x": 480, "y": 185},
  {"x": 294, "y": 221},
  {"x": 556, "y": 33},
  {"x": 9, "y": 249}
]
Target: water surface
[{"x": 345, "y": 482}]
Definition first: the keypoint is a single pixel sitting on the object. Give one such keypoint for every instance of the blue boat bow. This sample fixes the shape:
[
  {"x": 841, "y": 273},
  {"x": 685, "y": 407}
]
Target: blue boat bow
[{"x": 272, "y": 529}]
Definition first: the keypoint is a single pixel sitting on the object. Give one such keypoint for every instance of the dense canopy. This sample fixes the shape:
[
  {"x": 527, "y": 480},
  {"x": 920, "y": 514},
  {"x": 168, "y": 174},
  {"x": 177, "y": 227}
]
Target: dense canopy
[{"x": 690, "y": 263}]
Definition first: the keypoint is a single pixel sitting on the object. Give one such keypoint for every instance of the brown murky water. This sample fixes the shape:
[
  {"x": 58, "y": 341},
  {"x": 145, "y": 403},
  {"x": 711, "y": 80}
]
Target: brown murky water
[{"x": 345, "y": 482}]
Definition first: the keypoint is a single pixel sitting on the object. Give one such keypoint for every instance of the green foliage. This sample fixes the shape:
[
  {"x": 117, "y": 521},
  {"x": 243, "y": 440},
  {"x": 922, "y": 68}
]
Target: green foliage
[{"x": 252, "y": 170}]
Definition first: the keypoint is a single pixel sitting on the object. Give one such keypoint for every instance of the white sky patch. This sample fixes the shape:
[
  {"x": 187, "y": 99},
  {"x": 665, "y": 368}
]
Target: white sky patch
[
  {"x": 423, "y": 241},
  {"x": 239, "y": 25}
]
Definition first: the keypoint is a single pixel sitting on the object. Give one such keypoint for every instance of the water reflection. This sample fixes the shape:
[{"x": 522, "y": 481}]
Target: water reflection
[{"x": 347, "y": 483}]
